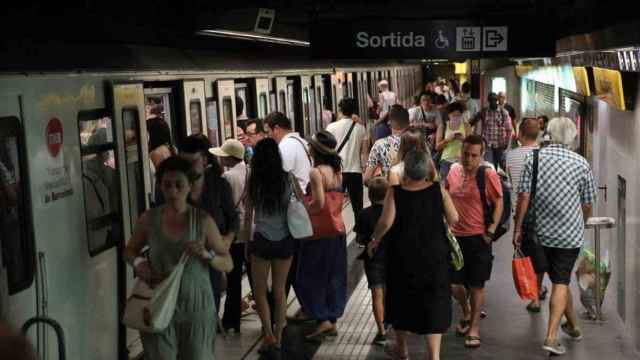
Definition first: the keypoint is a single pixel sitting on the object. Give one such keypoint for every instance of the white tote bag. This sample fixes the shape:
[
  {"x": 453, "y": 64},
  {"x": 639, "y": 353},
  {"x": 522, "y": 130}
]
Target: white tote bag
[
  {"x": 151, "y": 309},
  {"x": 298, "y": 219}
]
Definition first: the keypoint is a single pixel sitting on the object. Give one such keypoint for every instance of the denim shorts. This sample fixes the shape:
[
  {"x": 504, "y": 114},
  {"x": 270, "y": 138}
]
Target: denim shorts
[
  {"x": 271, "y": 249},
  {"x": 375, "y": 272}
]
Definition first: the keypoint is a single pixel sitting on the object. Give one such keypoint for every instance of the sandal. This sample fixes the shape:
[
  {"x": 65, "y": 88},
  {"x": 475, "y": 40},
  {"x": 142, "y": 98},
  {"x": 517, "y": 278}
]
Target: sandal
[
  {"x": 320, "y": 335},
  {"x": 463, "y": 327},
  {"x": 468, "y": 341},
  {"x": 533, "y": 308}
]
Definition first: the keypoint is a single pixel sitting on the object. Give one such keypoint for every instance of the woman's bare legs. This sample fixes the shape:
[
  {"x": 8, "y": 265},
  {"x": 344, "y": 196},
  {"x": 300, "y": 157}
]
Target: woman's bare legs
[
  {"x": 259, "y": 273},
  {"x": 280, "y": 270},
  {"x": 433, "y": 349},
  {"x": 377, "y": 302}
]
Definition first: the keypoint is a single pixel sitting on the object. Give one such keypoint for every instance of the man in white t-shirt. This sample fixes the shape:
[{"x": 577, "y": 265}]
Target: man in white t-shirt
[
  {"x": 352, "y": 147},
  {"x": 293, "y": 148}
]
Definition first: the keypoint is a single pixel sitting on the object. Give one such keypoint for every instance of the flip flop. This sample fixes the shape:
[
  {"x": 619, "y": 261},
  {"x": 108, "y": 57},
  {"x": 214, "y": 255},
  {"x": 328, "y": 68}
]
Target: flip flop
[
  {"x": 532, "y": 308},
  {"x": 469, "y": 339},
  {"x": 463, "y": 327},
  {"x": 395, "y": 353}
]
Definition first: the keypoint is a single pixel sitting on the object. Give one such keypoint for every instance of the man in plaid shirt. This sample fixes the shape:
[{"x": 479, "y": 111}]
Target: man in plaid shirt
[
  {"x": 565, "y": 193},
  {"x": 496, "y": 129}
]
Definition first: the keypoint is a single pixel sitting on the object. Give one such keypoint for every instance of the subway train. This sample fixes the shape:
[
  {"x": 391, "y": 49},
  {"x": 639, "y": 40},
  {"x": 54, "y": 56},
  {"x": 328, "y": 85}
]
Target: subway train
[{"x": 75, "y": 170}]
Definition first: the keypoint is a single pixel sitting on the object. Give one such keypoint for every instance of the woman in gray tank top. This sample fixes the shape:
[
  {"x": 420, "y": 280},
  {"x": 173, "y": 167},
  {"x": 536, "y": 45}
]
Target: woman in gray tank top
[{"x": 167, "y": 232}]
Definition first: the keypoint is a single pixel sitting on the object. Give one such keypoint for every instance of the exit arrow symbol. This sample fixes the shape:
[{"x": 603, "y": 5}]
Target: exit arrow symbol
[{"x": 494, "y": 38}]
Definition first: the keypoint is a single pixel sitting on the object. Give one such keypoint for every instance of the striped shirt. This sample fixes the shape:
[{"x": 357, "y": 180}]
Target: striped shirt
[
  {"x": 515, "y": 163},
  {"x": 565, "y": 182}
]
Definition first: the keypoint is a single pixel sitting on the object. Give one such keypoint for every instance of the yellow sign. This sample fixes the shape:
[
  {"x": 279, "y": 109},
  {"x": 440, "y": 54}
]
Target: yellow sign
[
  {"x": 522, "y": 70},
  {"x": 609, "y": 86},
  {"x": 582, "y": 81}
]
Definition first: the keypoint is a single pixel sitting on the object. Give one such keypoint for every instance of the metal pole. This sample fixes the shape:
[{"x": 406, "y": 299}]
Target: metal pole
[{"x": 597, "y": 263}]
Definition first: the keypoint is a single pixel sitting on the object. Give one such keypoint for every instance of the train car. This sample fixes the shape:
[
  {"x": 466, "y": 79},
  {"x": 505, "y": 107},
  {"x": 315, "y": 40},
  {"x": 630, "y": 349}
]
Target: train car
[{"x": 74, "y": 147}]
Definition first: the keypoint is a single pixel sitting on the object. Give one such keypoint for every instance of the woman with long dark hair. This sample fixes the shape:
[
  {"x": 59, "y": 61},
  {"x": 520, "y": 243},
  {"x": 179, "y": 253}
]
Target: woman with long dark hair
[
  {"x": 268, "y": 193},
  {"x": 321, "y": 283}
]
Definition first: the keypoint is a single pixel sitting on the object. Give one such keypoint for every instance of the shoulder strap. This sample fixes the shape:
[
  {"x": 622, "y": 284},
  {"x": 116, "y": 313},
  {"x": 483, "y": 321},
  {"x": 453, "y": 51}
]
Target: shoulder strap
[
  {"x": 346, "y": 138},
  {"x": 482, "y": 187},
  {"x": 304, "y": 148}
]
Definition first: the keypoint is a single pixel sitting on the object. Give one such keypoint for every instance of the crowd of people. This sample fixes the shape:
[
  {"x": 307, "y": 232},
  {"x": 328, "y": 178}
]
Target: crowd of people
[{"x": 433, "y": 180}]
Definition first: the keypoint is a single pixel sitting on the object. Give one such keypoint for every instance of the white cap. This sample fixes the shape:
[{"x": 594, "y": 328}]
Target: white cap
[
  {"x": 383, "y": 82},
  {"x": 230, "y": 147}
]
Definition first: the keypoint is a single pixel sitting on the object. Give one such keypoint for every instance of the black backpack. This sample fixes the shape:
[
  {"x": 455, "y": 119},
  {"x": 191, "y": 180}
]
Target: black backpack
[{"x": 503, "y": 224}]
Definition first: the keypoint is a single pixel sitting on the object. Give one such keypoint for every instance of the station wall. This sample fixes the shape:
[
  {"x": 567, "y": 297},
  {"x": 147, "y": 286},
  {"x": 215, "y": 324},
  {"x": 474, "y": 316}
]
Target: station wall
[{"x": 616, "y": 151}]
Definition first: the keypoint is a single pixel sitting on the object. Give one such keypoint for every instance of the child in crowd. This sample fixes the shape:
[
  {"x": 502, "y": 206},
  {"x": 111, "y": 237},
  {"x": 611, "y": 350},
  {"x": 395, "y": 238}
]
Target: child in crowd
[{"x": 374, "y": 267}]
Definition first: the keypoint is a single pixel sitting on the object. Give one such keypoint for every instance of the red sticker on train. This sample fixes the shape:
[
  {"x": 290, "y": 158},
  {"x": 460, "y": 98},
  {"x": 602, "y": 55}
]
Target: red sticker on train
[{"x": 54, "y": 137}]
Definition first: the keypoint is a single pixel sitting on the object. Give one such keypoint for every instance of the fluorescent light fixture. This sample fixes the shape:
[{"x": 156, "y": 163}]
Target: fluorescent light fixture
[{"x": 241, "y": 35}]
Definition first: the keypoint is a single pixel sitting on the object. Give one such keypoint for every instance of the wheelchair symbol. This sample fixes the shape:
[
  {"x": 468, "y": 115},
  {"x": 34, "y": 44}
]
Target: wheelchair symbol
[{"x": 441, "y": 41}]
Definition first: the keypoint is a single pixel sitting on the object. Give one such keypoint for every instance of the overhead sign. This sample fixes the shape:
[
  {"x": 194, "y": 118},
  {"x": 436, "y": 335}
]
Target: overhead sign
[{"x": 450, "y": 39}]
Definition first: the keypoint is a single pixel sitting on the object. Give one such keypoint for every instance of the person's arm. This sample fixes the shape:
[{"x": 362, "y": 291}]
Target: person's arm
[
  {"x": 221, "y": 258},
  {"x": 587, "y": 211},
  {"x": 317, "y": 190},
  {"x": 441, "y": 142},
  {"x": 364, "y": 148},
  {"x": 384, "y": 223},
  {"x": 521, "y": 209},
  {"x": 372, "y": 163},
  {"x": 509, "y": 128},
  {"x": 494, "y": 193},
  {"x": 136, "y": 243},
  {"x": 497, "y": 214},
  {"x": 450, "y": 212}
]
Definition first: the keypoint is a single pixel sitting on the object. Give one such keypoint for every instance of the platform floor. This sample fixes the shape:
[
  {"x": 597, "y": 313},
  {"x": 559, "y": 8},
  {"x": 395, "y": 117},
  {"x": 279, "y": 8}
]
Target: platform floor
[{"x": 509, "y": 331}]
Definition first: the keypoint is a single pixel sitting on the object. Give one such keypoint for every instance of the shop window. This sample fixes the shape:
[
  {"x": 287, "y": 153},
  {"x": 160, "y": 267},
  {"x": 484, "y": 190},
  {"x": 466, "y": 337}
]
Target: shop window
[
  {"x": 16, "y": 229},
  {"x": 100, "y": 180}
]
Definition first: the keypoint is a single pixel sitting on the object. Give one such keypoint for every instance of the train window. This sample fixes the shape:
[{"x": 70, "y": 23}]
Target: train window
[
  {"x": 272, "y": 101},
  {"x": 290, "y": 103},
  {"x": 135, "y": 180},
  {"x": 241, "y": 106},
  {"x": 18, "y": 248},
  {"x": 227, "y": 117},
  {"x": 263, "y": 105},
  {"x": 195, "y": 110},
  {"x": 282, "y": 100},
  {"x": 312, "y": 110},
  {"x": 319, "y": 106},
  {"x": 212, "y": 121},
  {"x": 498, "y": 84},
  {"x": 305, "y": 106},
  {"x": 101, "y": 183}
]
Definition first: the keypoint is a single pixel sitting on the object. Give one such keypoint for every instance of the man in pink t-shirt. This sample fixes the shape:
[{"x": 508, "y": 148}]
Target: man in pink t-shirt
[{"x": 473, "y": 235}]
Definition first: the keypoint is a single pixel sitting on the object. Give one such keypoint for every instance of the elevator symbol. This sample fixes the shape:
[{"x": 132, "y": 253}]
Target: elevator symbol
[{"x": 468, "y": 38}]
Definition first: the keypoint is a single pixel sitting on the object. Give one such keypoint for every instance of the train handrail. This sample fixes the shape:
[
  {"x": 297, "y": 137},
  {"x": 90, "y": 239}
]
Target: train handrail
[{"x": 62, "y": 353}]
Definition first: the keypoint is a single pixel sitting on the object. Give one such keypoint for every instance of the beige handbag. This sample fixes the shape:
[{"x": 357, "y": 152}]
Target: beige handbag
[{"x": 150, "y": 309}]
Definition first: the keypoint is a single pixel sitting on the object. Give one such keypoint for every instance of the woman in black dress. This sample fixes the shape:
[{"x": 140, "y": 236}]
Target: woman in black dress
[{"x": 417, "y": 253}]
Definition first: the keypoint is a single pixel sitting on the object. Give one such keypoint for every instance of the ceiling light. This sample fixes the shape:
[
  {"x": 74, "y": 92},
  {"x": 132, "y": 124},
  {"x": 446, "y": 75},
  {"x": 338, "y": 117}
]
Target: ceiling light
[{"x": 241, "y": 35}]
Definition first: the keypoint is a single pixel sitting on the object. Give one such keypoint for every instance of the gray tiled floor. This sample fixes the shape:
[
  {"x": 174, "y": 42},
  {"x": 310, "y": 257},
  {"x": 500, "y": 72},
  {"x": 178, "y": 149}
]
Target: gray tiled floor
[{"x": 509, "y": 332}]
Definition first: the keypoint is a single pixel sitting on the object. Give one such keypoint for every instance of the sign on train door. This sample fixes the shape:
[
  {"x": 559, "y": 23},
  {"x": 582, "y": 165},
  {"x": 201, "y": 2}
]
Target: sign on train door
[
  {"x": 132, "y": 151},
  {"x": 194, "y": 106}
]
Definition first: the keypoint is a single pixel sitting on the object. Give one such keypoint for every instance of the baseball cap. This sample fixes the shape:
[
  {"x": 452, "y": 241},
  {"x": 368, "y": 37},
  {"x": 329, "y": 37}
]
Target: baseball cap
[{"x": 230, "y": 147}]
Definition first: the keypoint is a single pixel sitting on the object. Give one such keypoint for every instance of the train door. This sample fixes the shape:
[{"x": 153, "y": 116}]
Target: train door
[
  {"x": 308, "y": 116},
  {"x": 132, "y": 159},
  {"x": 225, "y": 92},
  {"x": 262, "y": 97},
  {"x": 294, "y": 104},
  {"x": 273, "y": 96},
  {"x": 281, "y": 94},
  {"x": 194, "y": 105}
]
